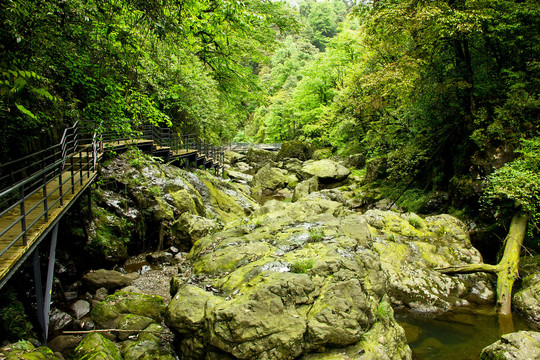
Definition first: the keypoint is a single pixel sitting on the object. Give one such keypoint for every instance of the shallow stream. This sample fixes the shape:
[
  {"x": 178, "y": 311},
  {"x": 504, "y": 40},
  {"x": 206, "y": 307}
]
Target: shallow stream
[{"x": 459, "y": 335}]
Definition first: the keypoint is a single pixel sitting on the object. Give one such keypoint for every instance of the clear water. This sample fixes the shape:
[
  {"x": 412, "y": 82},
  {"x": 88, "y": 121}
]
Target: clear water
[{"x": 455, "y": 335}]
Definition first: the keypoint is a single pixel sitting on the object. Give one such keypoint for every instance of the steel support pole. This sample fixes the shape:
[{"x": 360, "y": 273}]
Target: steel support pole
[{"x": 44, "y": 297}]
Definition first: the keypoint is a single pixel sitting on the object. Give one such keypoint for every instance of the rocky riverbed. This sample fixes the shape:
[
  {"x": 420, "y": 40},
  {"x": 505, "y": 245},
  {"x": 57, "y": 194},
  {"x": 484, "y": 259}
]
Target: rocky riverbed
[{"x": 314, "y": 277}]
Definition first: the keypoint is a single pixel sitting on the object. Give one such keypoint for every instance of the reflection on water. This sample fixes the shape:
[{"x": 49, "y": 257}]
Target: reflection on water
[{"x": 454, "y": 335}]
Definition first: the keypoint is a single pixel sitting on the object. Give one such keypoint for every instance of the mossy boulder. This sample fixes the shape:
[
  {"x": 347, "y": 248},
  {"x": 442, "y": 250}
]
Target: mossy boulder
[
  {"x": 297, "y": 149},
  {"x": 24, "y": 350},
  {"x": 259, "y": 156},
  {"x": 516, "y": 345},
  {"x": 95, "y": 346},
  {"x": 268, "y": 179},
  {"x": 527, "y": 299},
  {"x": 303, "y": 264},
  {"x": 115, "y": 307},
  {"x": 109, "y": 279},
  {"x": 327, "y": 171},
  {"x": 305, "y": 188},
  {"x": 411, "y": 248}
]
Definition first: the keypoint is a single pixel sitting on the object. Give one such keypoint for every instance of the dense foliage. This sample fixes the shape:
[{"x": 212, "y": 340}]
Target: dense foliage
[
  {"x": 189, "y": 64},
  {"x": 442, "y": 91}
]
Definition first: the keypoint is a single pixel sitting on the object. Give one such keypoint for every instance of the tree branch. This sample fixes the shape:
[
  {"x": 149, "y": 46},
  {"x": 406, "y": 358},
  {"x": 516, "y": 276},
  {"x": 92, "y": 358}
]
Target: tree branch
[{"x": 469, "y": 268}]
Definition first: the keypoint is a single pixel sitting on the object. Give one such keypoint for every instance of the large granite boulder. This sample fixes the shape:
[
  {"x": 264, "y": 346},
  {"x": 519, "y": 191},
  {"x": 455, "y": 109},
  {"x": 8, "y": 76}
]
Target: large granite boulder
[
  {"x": 307, "y": 265},
  {"x": 517, "y": 345},
  {"x": 411, "y": 248},
  {"x": 297, "y": 149},
  {"x": 327, "y": 171},
  {"x": 269, "y": 179}
]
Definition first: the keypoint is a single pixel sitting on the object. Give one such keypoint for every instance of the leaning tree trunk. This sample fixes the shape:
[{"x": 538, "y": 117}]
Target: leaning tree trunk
[{"x": 507, "y": 268}]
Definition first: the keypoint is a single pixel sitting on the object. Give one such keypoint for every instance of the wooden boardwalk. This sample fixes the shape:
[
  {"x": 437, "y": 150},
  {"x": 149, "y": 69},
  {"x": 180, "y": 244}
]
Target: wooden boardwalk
[
  {"x": 37, "y": 222},
  {"x": 42, "y": 213}
]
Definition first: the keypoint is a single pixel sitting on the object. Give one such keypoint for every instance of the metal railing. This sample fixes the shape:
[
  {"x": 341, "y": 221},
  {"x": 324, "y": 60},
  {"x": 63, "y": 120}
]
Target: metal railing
[
  {"x": 52, "y": 183},
  {"x": 244, "y": 146}
]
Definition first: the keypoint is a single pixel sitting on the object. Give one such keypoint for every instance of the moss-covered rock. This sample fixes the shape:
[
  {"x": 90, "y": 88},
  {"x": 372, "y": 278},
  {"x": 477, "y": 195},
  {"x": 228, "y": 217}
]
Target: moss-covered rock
[
  {"x": 296, "y": 149},
  {"x": 303, "y": 264},
  {"x": 24, "y": 350},
  {"x": 411, "y": 248},
  {"x": 109, "y": 279},
  {"x": 95, "y": 346},
  {"x": 258, "y": 157},
  {"x": 327, "y": 171},
  {"x": 268, "y": 179},
  {"x": 517, "y": 345},
  {"x": 115, "y": 307}
]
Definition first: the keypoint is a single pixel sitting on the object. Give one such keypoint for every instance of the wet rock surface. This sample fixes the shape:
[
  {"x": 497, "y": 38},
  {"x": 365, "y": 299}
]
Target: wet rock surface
[{"x": 518, "y": 345}]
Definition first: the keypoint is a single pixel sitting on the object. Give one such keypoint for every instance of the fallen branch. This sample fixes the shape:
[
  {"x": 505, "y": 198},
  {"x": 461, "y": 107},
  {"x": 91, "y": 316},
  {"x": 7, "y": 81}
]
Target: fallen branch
[
  {"x": 469, "y": 268},
  {"x": 161, "y": 334}
]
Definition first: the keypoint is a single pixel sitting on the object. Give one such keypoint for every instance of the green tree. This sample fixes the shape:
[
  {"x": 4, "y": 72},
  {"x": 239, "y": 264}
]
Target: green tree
[{"x": 513, "y": 188}]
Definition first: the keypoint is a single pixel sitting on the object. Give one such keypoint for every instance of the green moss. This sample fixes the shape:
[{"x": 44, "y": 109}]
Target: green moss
[
  {"x": 96, "y": 347},
  {"x": 14, "y": 323},
  {"x": 316, "y": 234},
  {"x": 416, "y": 221},
  {"x": 302, "y": 266}
]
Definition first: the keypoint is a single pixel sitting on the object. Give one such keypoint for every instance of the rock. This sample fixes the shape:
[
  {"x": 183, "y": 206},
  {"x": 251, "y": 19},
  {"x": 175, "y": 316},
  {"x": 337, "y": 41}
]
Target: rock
[
  {"x": 517, "y": 345},
  {"x": 225, "y": 200},
  {"x": 357, "y": 161},
  {"x": 133, "y": 322},
  {"x": 26, "y": 351},
  {"x": 259, "y": 156},
  {"x": 190, "y": 228},
  {"x": 232, "y": 157},
  {"x": 292, "y": 165},
  {"x": 108, "y": 236},
  {"x": 97, "y": 347},
  {"x": 304, "y": 264},
  {"x": 70, "y": 295},
  {"x": 148, "y": 350},
  {"x": 59, "y": 320},
  {"x": 101, "y": 294},
  {"x": 305, "y": 188},
  {"x": 64, "y": 344},
  {"x": 240, "y": 177},
  {"x": 243, "y": 167},
  {"x": 159, "y": 257},
  {"x": 296, "y": 149},
  {"x": 527, "y": 299},
  {"x": 80, "y": 308},
  {"x": 375, "y": 169},
  {"x": 410, "y": 248},
  {"x": 110, "y": 312},
  {"x": 162, "y": 210},
  {"x": 183, "y": 201},
  {"x": 109, "y": 279},
  {"x": 327, "y": 171},
  {"x": 268, "y": 178}
]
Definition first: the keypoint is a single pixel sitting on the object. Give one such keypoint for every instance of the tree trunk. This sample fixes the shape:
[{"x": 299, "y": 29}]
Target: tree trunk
[{"x": 507, "y": 268}]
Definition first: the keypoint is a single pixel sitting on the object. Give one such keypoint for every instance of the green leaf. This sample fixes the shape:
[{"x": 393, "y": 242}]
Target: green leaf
[{"x": 25, "y": 111}]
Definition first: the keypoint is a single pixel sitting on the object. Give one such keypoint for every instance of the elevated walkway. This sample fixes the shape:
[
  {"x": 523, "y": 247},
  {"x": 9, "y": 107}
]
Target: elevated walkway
[{"x": 37, "y": 190}]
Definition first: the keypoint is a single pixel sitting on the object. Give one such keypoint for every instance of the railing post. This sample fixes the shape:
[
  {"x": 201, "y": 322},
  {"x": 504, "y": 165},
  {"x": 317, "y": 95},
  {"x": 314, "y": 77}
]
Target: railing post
[
  {"x": 81, "y": 170},
  {"x": 72, "y": 176},
  {"x": 45, "y": 205},
  {"x": 60, "y": 188},
  {"x": 23, "y": 217}
]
